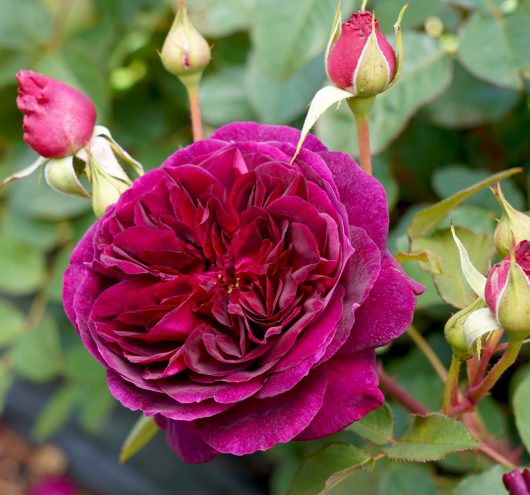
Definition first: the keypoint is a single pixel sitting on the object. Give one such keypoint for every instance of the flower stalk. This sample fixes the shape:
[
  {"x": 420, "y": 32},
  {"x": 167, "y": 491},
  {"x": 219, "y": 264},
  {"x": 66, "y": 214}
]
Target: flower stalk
[
  {"x": 507, "y": 360},
  {"x": 361, "y": 109},
  {"x": 451, "y": 387}
]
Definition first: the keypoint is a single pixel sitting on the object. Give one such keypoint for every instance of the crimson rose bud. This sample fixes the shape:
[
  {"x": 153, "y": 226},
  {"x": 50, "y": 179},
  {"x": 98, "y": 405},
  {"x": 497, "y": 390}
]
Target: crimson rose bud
[
  {"x": 517, "y": 483},
  {"x": 508, "y": 292},
  {"x": 361, "y": 60},
  {"x": 58, "y": 119}
]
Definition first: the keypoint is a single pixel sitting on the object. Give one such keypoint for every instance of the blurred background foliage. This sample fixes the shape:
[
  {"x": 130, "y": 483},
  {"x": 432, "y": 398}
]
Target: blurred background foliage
[{"x": 460, "y": 112}]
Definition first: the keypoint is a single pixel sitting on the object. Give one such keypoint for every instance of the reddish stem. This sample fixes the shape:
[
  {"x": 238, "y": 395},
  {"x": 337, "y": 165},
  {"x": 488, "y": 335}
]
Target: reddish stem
[
  {"x": 401, "y": 396},
  {"x": 363, "y": 133}
]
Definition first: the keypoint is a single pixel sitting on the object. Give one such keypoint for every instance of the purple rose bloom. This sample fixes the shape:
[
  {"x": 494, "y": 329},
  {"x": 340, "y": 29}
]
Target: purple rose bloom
[{"x": 238, "y": 298}]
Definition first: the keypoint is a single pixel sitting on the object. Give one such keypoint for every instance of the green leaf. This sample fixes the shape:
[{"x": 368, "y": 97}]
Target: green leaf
[
  {"x": 45, "y": 203},
  {"x": 377, "y": 427},
  {"x": 215, "y": 19},
  {"x": 470, "y": 102},
  {"x": 522, "y": 411},
  {"x": 287, "y": 35},
  {"x": 428, "y": 218},
  {"x": 55, "y": 413},
  {"x": 24, "y": 24},
  {"x": 451, "y": 282},
  {"x": 426, "y": 73},
  {"x": 140, "y": 435},
  {"x": 36, "y": 233},
  {"x": 37, "y": 355},
  {"x": 405, "y": 479},
  {"x": 450, "y": 179},
  {"x": 96, "y": 404},
  {"x": 431, "y": 438},
  {"x": 22, "y": 267},
  {"x": 495, "y": 48},
  {"x": 11, "y": 323},
  {"x": 320, "y": 472},
  {"x": 280, "y": 102},
  {"x": 489, "y": 482},
  {"x": 325, "y": 98},
  {"x": 6, "y": 379},
  {"x": 222, "y": 100}
]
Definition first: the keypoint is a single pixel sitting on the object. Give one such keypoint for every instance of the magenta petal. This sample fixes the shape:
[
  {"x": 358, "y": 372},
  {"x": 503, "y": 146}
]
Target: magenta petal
[
  {"x": 80, "y": 289},
  {"x": 362, "y": 195},
  {"x": 250, "y": 131},
  {"x": 152, "y": 403},
  {"x": 387, "y": 312},
  {"x": 185, "y": 441},
  {"x": 258, "y": 424},
  {"x": 351, "y": 394}
]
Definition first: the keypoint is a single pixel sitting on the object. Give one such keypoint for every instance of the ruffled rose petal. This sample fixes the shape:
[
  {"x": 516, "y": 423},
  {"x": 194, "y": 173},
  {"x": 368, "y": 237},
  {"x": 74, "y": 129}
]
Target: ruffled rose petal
[
  {"x": 258, "y": 424},
  {"x": 387, "y": 312},
  {"x": 351, "y": 393},
  {"x": 185, "y": 441}
]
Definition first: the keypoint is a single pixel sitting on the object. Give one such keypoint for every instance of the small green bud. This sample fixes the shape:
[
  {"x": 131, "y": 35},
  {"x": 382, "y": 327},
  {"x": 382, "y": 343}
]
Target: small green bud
[
  {"x": 454, "y": 330},
  {"x": 62, "y": 177},
  {"x": 185, "y": 51},
  {"x": 513, "y": 228}
]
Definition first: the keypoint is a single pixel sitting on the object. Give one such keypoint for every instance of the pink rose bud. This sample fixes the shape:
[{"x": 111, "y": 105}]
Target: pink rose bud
[
  {"x": 517, "y": 483},
  {"x": 361, "y": 60},
  {"x": 58, "y": 119},
  {"x": 508, "y": 292}
]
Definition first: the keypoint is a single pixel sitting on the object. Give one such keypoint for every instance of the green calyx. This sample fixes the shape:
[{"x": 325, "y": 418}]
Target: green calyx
[
  {"x": 454, "y": 330},
  {"x": 513, "y": 309}
]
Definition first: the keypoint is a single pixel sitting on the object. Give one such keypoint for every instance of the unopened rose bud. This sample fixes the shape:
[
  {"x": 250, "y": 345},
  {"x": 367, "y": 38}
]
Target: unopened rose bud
[
  {"x": 58, "y": 119},
  {"x": 513, "y": 228},
  {"x": 361, "y": 59},
  {"x": 508, "y": 292},
  {"x": 455, "y": 330},
  {"x": 517, "y": 482},
  {"x": 185, "y": 51}
]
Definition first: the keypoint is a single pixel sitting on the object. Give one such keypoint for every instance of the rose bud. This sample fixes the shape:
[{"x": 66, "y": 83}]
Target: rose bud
[
  {"x": 455, "y": 331},
  {"x": 361, "y": 59},
  {"x": 58, "y": 119},
  {"x": 185, "y": 52},
  {"x": 513, "y": 228},
  {"x": 517, "y": 483},
  {"x": 508, "y": 292}
]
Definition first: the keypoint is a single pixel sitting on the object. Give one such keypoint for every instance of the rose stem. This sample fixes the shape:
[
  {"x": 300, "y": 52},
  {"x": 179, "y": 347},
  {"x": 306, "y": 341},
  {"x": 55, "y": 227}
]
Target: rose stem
[
  {"x": 503, "y": 347},
  {"x": 508, "y": 358},
  {"x": 451, "y": 387},
  {"x": 402, "y": 396},
  {"x": 361, "y": 109},
  {"x": 428, "y": 352},
  {"x": 363, "y": 134},
  {"x": 195, "y": 109}
]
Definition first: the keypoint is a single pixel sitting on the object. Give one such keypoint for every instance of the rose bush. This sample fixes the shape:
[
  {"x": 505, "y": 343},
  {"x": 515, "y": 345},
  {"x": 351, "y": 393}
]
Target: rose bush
[{"x": 239, "y": 298}]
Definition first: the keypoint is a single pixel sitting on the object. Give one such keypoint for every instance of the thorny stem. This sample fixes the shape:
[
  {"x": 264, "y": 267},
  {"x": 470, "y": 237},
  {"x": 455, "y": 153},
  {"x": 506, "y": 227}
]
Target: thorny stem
[
  {"x": 451, "y": 386},
  {"x": 503, "y": 347},
  {"x": 428, "y": 352},
  {"x": 509, "y": 357}
]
